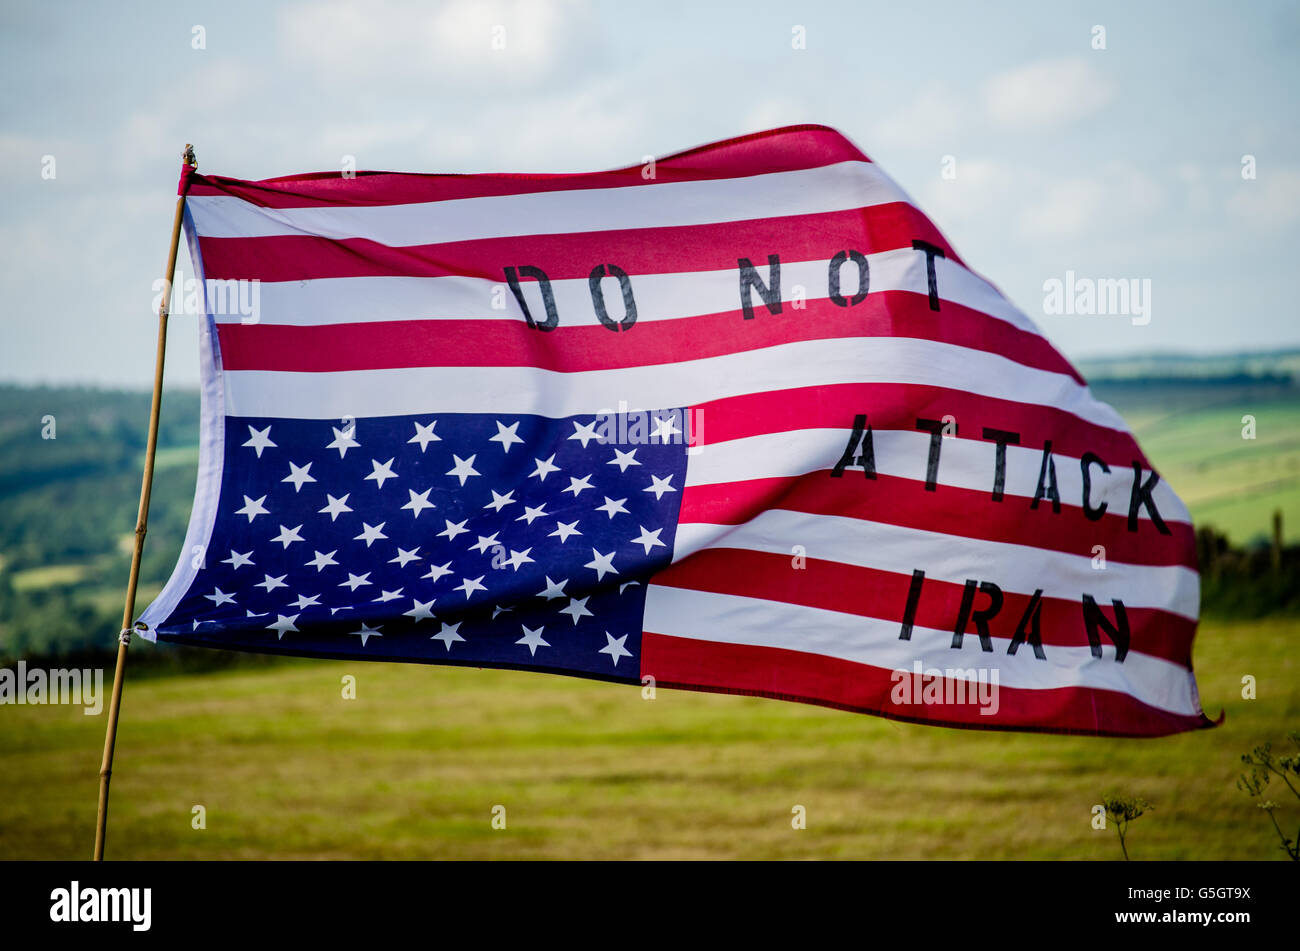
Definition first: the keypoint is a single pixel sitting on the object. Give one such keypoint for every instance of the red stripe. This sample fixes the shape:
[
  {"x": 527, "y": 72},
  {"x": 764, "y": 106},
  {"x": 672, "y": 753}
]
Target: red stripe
[
  {"x": 949, "y": 510},
  {"x": 897, "y": 406},
  {"x": 826, "y": 681},
  {"x": 813, "y": 237},
  {"x": 778, "y": 150},
  {"x": 869, "y": 592},
  {"x": 382, "y": 345}
]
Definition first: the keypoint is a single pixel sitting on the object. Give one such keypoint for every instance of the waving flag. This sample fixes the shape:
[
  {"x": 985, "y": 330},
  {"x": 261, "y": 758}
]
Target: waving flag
[{"x": 739, "y": 420}]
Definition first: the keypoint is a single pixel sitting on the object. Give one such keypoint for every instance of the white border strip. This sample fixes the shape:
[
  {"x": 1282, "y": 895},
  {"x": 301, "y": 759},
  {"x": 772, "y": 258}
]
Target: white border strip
[
  {"x": 409, "y": 391},
  {"x": 212, "y": 443},
  {"x": 836, "y": 187},
  {"x": 659, "y": 296},
  {"x": 964, "y": 463}
]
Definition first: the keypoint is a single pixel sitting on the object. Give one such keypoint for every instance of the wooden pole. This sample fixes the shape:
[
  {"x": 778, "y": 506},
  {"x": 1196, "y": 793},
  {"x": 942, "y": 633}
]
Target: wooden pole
[{"x": 141, "y": 523}]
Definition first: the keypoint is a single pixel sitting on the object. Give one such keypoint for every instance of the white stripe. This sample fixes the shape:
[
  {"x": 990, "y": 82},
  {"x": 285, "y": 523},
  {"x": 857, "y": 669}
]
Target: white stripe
[
  {"x": 207, "y": 489},
  {"x": 413, "y": 390},
  {"x": 1013, "y": 568},
  {"x": 730, "y": 619},
  {"x": 352, "y": 300},
  {"x": 836, "y": 187},
  {"x": 963, "y": 463}
]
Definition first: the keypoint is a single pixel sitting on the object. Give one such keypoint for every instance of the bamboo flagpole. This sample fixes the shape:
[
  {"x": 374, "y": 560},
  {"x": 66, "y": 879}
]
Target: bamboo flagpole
[{"x": 142, "y": 517}]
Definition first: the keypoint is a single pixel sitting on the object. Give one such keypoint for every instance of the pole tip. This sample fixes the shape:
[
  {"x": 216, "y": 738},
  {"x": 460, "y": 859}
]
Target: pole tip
[{"x": 188, "y": 156}]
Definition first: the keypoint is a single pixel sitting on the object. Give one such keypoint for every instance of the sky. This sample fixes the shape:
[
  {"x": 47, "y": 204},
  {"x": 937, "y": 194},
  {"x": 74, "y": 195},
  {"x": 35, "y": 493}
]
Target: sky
[{"x": 1170, "y": 156}]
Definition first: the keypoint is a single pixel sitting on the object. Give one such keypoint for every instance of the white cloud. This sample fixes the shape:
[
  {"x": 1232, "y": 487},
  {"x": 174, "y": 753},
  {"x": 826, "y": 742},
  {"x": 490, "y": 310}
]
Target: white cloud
[
  {"x": 1116, "y": 198},
  {"x": 574, "y": 131},
  {"x": 776, "y": 112},
  {"x": 1052, "y": 92},
  {"x": 980, "y": 187},
  {"x": 933, "y": 116},
  {"x": 1268, "y": 202},
  {"x": 500, "y": 40}
]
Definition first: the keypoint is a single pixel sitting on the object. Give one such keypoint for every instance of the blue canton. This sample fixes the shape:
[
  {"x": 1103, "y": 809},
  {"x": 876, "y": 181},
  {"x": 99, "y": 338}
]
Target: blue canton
[{"x": 482, "y": 540}]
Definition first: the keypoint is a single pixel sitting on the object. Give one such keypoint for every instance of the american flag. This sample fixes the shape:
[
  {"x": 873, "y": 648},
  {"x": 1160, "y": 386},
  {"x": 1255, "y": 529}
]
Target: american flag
[{"x": 737, "y": 420}]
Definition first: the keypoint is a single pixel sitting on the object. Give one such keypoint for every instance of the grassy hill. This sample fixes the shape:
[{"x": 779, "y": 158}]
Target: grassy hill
[
  {"x": 68, "y": 507},
  {"x": 285, "y": 767},
  {"x": 1192, "y": 432}
]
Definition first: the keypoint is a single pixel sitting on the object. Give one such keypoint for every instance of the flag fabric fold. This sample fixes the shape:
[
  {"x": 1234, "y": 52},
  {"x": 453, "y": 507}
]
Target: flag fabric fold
[{"x": 737, "y": 420}]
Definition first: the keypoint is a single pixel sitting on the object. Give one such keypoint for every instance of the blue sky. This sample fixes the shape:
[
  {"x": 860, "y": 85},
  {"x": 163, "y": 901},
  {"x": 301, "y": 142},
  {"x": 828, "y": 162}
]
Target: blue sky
[{"x": 1117, "y": 163}]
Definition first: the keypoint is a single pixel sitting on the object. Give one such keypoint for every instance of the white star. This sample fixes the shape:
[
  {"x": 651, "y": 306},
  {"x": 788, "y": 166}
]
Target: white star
[
  {"x": 665, "y": 429},
  {"x": 613, "y": 507},
  {"x": 603, "y": 564},
  {"x": 532, "y": 639},
  {"x": 500, "y": 501},
  {"x": 253, "y": 508},
  {"x": 649, "y": 539},
  {"x": 577, "y": 608},
  {"x": 298, "y": 475},
  {"x": 623, "y": 460},
  {"x": 585, "y": 433},
  {"x": 448, "y": 634},
  {"x": 544, "y": 468},
  {"x": 419, "y": 502},
  {"x": 270, "y": 584},
  {"x": 453, "y": 529},
  {"x": 343, "y": 440},
  {"x": 564, "y": 530},
  {"x": 628, "y": 584},
  {"x": 554, "y": 589},
  {"x": 259, "y": 440},
  {"x": 371, "y": 533},
  {"x": 506, "y": 435},
  {"x": 421, "y": 610},
  {"x": 425, "y": 435},
  {"x": 464, "y": 468},
  {"x": 531, "y": 513},
  {"x": 469, "y": 586},
  {"x": 659, "y": 486},
  {"x": 404, "y": 557},
  {"x": 335, "y": 507},
  {"x": 322, "y": 560},
  {"x": 383, "y": 472},
  {"x": 437, "y": 571},
  {"x": 236, "y": 560},
  {"x": 498, "y": 610},
  {"x": 577, "y": 485},
  {"x": 282, "y": 625},
  {"x": 388, "y": 596},
  {"x": 288, "y": 536},
  {"x": 219, "y": 597},
  {"x": 355, "y": 581},
  {"x": 518, "y": 558},
  {"x": 307, "y": 602},
  {"x": 368, "y": 632},
  {"x": 484, "y": 542},
  {"x": 614, "y": 647}
]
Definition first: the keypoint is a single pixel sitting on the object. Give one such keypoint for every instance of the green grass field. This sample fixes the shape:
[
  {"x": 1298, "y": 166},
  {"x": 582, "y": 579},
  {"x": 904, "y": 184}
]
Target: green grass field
[
  {"x": 1194, "y": 437},
  {"x": 286, "y": 768}
]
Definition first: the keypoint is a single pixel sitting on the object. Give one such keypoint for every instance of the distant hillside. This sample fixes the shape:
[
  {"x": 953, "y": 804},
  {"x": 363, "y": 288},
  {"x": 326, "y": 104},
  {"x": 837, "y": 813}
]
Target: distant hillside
[
  {"x": 1274, "y": 366},
  {"x": 68, "y": 507}
]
